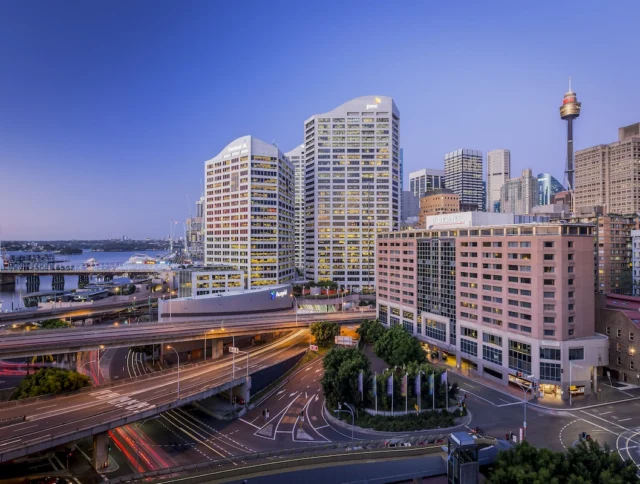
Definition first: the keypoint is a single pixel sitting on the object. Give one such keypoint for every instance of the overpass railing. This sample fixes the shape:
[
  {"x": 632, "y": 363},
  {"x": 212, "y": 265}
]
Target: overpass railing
[{"x": 296, "y": 457}]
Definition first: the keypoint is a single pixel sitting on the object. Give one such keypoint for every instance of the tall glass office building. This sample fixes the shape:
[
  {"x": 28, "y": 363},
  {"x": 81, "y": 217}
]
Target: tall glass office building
[
  {"x": 463, "y": 175},
  {"x": 352, "y": 188},
  {"x": 249, "y": 211},
  {"x": 548, "y": 186},
  {"x": 296, "y": 157}
]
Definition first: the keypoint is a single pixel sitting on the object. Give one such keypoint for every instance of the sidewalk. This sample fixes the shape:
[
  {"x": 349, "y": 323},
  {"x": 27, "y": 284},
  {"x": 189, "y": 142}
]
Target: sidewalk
[{"x": 607, "y": 395}]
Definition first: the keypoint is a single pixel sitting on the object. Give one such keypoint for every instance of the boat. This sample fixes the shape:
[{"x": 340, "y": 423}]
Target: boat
[{"x": 141, "y": 259}]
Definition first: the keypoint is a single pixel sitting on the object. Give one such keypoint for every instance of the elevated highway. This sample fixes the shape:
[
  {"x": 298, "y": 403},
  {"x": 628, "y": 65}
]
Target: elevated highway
[
  {"x": 51, "y": 421},
  {"x": 70, "y": 340}
]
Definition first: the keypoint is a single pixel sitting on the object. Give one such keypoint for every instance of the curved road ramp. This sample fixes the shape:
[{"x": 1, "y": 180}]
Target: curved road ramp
[{"x": 329, "y": 458}]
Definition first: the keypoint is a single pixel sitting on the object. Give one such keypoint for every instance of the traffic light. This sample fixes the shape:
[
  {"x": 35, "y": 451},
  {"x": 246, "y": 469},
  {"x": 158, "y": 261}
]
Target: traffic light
[{"x": 109, "y": 447}]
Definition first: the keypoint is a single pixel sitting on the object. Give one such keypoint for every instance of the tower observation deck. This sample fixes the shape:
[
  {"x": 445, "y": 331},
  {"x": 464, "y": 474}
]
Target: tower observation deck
[{"x": 569, "y": 111}]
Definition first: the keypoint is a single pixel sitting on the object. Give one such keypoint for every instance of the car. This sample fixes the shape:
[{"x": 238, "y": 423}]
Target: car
[{"x": 396, "y": 443}]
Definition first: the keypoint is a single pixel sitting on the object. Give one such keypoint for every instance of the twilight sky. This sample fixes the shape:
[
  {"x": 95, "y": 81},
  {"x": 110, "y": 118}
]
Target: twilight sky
[{"x": 108, "y": 110}]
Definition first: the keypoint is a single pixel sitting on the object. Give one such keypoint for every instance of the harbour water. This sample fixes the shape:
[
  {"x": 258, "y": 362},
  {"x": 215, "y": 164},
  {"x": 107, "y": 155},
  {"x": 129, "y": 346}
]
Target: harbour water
[{"x": 11, "y": 296}]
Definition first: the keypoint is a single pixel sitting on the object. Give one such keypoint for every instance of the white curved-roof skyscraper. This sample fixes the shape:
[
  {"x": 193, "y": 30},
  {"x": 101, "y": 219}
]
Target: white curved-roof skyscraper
[
  {"x": 352, "y": 179},
  {"x": 249, "y": 211}
]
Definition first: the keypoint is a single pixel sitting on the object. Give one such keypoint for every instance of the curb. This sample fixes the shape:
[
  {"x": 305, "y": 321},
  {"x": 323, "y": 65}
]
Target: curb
[
  {"x": 362, "y": 430},
  {"x": 545, "y": 407}
]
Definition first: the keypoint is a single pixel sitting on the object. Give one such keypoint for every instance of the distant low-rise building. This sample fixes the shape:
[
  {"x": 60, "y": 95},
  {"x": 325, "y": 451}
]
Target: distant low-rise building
[
  {"x": 410, "y": 206},
  {"x": 519, "y": 195},
  {"x": 205, "y": 281},
  {"x": 438, "y": 202}
]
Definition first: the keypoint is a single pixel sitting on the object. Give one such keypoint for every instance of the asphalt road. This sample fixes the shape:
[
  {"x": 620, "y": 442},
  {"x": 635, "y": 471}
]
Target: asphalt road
[
  {"x": 63, "y": 415},
  {"x": 616, "y": 424},
  {"x": 68, "y": 340}
]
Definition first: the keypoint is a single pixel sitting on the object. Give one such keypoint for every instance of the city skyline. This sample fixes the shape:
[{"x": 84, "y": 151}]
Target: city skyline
[{"x": 100, "y": 114}]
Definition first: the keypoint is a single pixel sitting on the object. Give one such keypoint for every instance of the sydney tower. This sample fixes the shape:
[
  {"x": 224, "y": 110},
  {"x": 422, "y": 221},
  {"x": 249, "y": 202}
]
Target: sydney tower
[{"x": 569, "y": 111}]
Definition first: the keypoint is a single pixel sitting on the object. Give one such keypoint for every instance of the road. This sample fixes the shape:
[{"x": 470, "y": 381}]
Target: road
[
  {"x": 63, "y": 417},
  {"x": 614, "y": 424},
  {"x": 69, "y": 340}
]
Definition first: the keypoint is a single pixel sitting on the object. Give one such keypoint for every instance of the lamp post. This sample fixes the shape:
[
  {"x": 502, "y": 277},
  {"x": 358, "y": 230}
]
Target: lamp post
[
  {"x": 205, "y": 345},
  {"x": 339, "y": 409},
  {"x": 172, "y": 348},
  {"x": 524, "y": 400},
  {"x": 295, "y": 299}
]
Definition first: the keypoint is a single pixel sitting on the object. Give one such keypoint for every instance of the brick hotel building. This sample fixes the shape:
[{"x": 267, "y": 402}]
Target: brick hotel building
[{"x": 497, "y": 295}]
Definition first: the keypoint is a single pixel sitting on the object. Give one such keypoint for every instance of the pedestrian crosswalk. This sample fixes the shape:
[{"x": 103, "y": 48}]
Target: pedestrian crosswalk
[{"x": 120, "y": 401}]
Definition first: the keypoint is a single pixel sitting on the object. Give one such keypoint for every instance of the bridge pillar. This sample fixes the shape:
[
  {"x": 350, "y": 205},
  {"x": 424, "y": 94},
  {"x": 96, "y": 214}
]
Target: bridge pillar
[
  {"x": 217, "y": 349},
  {"x": 243, "y": 390},
  {"x": 33, "y": 283},
  {"x": 108, "y": 277},
  {"x": 100, "y": 451},
  {"x": 57, "y": 283},
  {"x": 83, "y": 280}
]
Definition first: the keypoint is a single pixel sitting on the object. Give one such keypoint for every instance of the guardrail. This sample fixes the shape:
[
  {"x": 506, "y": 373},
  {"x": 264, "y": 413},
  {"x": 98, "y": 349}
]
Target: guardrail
[{"x": 308, "y": 456}]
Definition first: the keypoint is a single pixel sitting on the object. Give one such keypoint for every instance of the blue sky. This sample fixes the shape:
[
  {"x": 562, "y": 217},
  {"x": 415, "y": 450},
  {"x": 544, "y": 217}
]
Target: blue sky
[{"x": 108, "y": 110}]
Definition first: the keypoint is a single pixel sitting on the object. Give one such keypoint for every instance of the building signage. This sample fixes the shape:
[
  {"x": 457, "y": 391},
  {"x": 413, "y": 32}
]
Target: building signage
[
  {"x": 375, "y": 106},
  {"x": 276, "y": 294},
  {"x": 237, "y": 147},
  {"x": 451, "y": 219},
  {"x": 234, "y": 349}
]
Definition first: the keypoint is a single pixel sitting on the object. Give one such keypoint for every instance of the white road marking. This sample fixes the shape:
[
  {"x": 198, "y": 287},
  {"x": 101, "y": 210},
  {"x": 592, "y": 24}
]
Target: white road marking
[
  {"x": 605, "y": 413},
  {"x": 478, "y": 396},
  {"x": 624, "y": 419},
  {"x": 11, "y": 442},
  {"x": 49, "y": 406},
  {"x": 292, "y": 394},
  {"x": 249, "y": 423},
  {"x": 506, "y": 401},
  {"x": 25, "y": 428}
]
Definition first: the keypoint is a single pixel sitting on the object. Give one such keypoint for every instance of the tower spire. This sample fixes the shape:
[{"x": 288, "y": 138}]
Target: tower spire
[{"x": 569, "y": 83}]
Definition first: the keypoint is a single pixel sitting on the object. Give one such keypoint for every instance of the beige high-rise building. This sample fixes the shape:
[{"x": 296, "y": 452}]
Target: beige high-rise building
[
  {"x": 519, "y": 195},
  {"x": 608, "y": 176},
  {"x": 498, "y": 172}
]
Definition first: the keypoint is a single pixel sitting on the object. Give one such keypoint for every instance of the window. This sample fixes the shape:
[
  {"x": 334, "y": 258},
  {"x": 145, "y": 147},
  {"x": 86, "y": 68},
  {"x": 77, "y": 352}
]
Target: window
[
  {"x": 550, "y": 354},
  {"x": 548, "y": 244},
  {"x": 570, "y": 319},
  {"x": 512, "y": 244},
  {"x": 570, "y": 269},
  {"x": 570, "y": 244},
  {"x": 570, "y": 294},
  {"x": 525, "y": 280},
  {"x": 492, "y": 355},
  {"x": 526, "y": 329},
  {"x": 549, "y": 332},
  {"x": 618, "y": 347},
  {"x": 619, "y": 331},
  {"x": 631, "y": 367},
  {"x": 520, "y": 356},
  {"x": 571, "y": 282},
  {"x": 525, "y": 292},
  {"x": 571, "y": 307},
  {"x": 550, "y": 371},
  {"x": 570, "y": 257},
  {"x": 630, "y": 336},
  {"x": 549, "y": 307},
  {"x": 513, "y": 326},
  {"x": 525, "y": 244},
  {"x": 435, "y": 330},
  {"x": 608, "y": 330},
  {"x": 576, "y": 353},
  {"x": 468, "y": 347},
  {"x": 470, "y": 333},
  {"x": 513, "y": 291},
  {"x": 549, "y": 319},
  {"x": 619, "y": 361},
  {"x": 549, "y": 295},
  {"x": 492, "y": 339},
  {"x": 549, "y": 282},
  {"x": 548, "y": 257},
  {"x": 571, "y": 331}
]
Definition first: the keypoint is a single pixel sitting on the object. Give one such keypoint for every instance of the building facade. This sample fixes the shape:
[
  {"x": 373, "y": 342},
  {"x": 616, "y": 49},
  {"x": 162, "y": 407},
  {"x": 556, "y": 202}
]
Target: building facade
[
  {"x": 608, "y": 176},
  {"x": 296, "y": 157},
  {"x": 635, "y": 261},
  {"x": 463, "y": 175},
  {"x": 498, "y": 172},
  {"x": 519, "y": 195},
  {"x": 352, "y": 188},
  {"x": 612, "y": 256},
  {"x": 423, "y": 181},
  {"x": 249, "y": 211},
  {"x": 509, "y": 302},
  {"x": 410, "y": 206},
  {"x": 438, "y": 202},
  {"x": 548, "y": 186},
  {"x": 206, "y": 281}
]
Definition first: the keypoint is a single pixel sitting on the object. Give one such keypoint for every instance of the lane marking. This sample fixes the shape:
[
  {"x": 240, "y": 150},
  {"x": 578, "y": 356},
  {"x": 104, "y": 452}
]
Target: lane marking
[
  {"x": 624, "y": 419},
  {"x": 478, "y": 396},
  {"x": 606, "y": 413},
  {"x": 250, "y": 423},
  {"x": 25, "y": 428}
]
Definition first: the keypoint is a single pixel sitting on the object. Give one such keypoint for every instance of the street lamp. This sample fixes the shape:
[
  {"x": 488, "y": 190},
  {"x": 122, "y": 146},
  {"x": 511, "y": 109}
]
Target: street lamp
[
  {"x": 296, "y": 307},
  {"x": 101, "y": 347},
  {"x": 172, "y": 348},
  {"x": 524, "y": 400},
  {"x": 205, "y": 345},
  {"x": 339, "y": 409}
]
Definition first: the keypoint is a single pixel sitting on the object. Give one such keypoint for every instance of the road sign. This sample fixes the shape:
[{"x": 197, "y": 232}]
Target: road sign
[
  {"x": 313, "y": 347},
  {"x": 233, "y": 349}
]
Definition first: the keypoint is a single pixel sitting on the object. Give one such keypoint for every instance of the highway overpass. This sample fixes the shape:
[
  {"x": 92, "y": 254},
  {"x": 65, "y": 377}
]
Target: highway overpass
[
  {"x": 72, "y": 340},
  {"x": 51, "y": 421}
]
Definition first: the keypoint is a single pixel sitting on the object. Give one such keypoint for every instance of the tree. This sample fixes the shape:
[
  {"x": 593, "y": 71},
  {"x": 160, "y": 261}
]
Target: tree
[
  {"x": 54, "y": 324},
  {"x": 324, "y": 332},
  {"x": 397, "y": 347},
  {"x": 370, "y": 331},
  {"x": 342, "y": 367},
  {"x": 587, "y": 462},
  {"x": 49, "y": 381}
]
